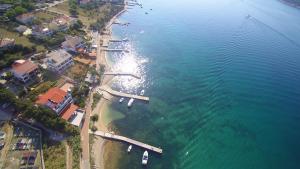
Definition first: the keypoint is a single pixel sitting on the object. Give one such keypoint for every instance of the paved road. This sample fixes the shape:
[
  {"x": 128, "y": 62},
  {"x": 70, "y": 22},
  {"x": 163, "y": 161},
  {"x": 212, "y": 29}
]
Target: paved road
[{"x": 51, "y": 5}]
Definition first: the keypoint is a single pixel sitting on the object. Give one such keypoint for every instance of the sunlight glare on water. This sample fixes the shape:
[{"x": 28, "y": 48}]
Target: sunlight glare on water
[{"x": 129, "y": 62}]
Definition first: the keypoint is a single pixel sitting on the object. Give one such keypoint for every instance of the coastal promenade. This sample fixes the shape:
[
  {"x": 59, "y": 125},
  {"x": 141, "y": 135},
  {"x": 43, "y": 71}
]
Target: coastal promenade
[
  {"x": 127, "y": 140},
  {"x": 122, "y": 74},
  {"x": 120, "y": 94}
]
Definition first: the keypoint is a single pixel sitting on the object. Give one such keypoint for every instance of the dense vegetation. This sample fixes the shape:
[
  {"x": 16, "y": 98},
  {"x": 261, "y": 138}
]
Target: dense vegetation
[
  {"x": 41, "y": 114},
  {"x": 75, "y": 145},
  {"x": 42, "y": 88},
  {"x": 16, "y": 52},
  {"x": 18, "y": 7},
  {"x": 109, "y": 12},
  {"x": 79, "y": 94},
  {"x": 96, "y": 13},
  {"x": 73, "y": 7},
  {"x": 54, "y": 155},
  {"x": 96, "y": 99},
  {"x": 55, "y": 40}
]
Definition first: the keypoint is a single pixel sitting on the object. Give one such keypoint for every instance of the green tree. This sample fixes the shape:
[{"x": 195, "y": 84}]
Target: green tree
[
  {"x": 94, "y": 129},
  {"x": 73, "y": 7},
  {"x": 10, "y": 14},
  {"x": 77, "y": 25},
  {"x": 19, "y": 10},
  {"x": 95, "y": 117}
]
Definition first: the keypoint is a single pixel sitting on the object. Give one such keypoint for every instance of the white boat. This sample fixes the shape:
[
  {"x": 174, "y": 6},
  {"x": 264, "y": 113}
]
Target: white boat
[
  {"x": 130, "y": 102},
  {"x": 129, "y": 148},
  {"x": 142, "y": 93},
  {"x": 145, "y": 158},
  {"x": 121, "y": 100}
]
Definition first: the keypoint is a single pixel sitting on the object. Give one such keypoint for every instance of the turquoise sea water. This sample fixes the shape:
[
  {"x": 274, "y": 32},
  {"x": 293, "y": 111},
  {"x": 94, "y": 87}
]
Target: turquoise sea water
[{"x": 223, "y": 79}]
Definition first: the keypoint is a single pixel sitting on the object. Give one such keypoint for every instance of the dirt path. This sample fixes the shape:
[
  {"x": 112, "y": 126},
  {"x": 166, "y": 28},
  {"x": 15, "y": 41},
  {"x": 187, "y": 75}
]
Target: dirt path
[
  {"x": 8, "y": 137},
  {"x": 69, "y": 157}
]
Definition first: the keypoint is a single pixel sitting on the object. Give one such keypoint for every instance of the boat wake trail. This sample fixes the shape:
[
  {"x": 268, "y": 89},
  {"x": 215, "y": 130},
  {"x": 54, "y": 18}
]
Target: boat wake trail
[{"x": 257, "y": 21}]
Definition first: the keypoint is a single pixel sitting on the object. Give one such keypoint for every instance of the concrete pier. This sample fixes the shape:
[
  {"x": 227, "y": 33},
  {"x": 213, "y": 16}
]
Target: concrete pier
[
  {"x": 127, "y": 140},
  {"x": 119, "y": 40},
  {"x": 122, "y": 74},
  {"x": 120, "y": 94},
  {"x": 116, "y": 50}
]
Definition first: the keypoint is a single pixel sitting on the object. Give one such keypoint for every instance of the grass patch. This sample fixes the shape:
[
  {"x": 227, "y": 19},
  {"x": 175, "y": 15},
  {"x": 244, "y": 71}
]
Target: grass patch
[
  {"x": 96, "y": 99},
  {"x": 45, "y": 16},
  {"x": 61, "y": 8},
  {"x": 77, "y": 72},
  {"x": 91, "y": 142},
  {"x": 88, "y": 16},
  {"x": 55, "y": 155},
  {"x": 75, "y": 145},
  {"x": 40, "y": 89},
  {"x": 22, "y": 40},
  {"x": 50, "y": 76}
]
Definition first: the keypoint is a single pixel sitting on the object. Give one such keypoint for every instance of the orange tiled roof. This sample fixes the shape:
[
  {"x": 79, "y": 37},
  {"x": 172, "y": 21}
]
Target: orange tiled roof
[
  {"x": 24, "y": 66},
  {"x": 55, "y": 95},
  {"x": 67, "y": 113}
]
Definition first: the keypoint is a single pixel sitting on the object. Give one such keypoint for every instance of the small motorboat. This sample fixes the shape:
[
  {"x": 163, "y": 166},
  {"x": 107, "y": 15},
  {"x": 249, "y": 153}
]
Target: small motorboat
[
  {"x": 121, "y": 100},
  {"x": 145, "y": 158},
  {"x": 129, "y": 148},
  {"x": 130, "y": 102},
  {"x": 142, "y": 93},
  {"x": 146, "y": 13}
]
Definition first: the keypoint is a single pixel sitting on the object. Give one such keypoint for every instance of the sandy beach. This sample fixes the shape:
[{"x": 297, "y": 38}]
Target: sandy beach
[{"x": 100, "y": 145}]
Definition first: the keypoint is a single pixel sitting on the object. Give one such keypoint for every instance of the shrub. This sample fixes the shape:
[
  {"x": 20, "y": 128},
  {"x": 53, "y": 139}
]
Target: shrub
[{"x": 95, "y": 117}]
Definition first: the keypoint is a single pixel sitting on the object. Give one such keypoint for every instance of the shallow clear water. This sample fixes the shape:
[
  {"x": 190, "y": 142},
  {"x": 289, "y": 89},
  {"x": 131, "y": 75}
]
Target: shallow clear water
[{"x": 223, "y": 79}]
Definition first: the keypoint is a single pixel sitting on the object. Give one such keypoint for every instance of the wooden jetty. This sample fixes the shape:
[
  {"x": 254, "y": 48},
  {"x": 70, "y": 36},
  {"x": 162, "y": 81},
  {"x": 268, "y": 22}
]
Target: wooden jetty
[
  {"x": 120, "y": 94},
  {"x": 122, "y": 74},
  {"x": 116, "y": 50},
  {"x": 127, "y": 140}
]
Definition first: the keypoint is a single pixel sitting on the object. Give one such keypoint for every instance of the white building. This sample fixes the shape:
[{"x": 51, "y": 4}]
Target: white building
[
  {"x": 59, "y": 60},
  {"x": 24, "y": 70},
  {"x": 72, "y": 43},
  {"x": 56, "y": 99},
  {"x": 41, "y": 32},
  {"x": 61, "y": 102}
]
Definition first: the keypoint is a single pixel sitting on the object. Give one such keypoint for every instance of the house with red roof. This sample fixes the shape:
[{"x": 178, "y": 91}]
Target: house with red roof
[
  {"x": 61, "y": 102},
  {"x": 24, "y": 70}
]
